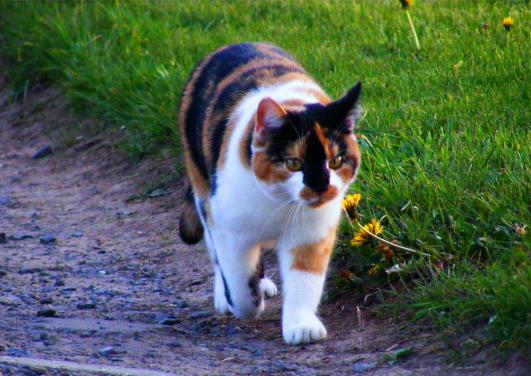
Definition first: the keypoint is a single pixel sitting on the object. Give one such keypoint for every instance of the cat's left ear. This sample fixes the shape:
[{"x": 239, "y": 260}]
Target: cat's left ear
[
  {"x": 270, "y": 115},
  {"x": 345, "y": 112}
]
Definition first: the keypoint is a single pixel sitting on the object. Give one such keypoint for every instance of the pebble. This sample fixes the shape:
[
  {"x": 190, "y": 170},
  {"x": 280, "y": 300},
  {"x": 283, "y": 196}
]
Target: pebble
[
  {"x": 10, "y": 300},
  {"x": 19, "y": 236},
  {"x": 106, "y": 351},
  {"x": 362, "y": 367},
  {"x": 169, "y": 321},
  {"x": 2, "y": 273},
  {"x": 29, "y": 270},
  {"x": 47, "y": 239},
  {"x": 180, "y": 303},
  {"x": 59, "y": 283},
  {"x": 46, "y": 300},
  {"x": 47, "y": 312},
  {"x": 77, "y": 234},
  {"x": 43, "y": 152},
  {"x": 5, "y": 200},
  {"x": 200, "y": 314},
  {"x": 17, "y": 352},
  {"x": 86, "y": 306},
  {"x": 158, "y": 193}
]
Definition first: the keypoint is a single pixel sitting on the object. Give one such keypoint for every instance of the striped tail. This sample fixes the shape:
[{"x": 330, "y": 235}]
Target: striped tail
[{"x": 190, "y": 227}]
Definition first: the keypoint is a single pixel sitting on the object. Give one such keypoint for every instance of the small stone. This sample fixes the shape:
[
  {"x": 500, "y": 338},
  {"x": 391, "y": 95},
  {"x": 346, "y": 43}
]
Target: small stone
[
  {"x": 106, "y": 351},
  {"x": 10, "y": 300},
  {"x": 180, "y": 303},
  {"x": 169, "y": 321},
  {"x": 47, "y": 239},
  {"x": 158, "y": 193},
  {"x": 3, "y": 238},
  {"x": 3, "y": 273},
  {"x": 5, "y": 200},
  {"x": 43, "y": 152},
  {"x": 87, "y": 333},
  {"x": 362, "y": 367},
  {"x": 46, "y": 300},
  {"x": 19, "y": 236},
  {"x": 196, "y": 282},
  {"x": 29, "y": 270},
  {"x": 77, "y": 234},
  {"x": 47, "y": 312},
  {"x": 200, "y": 314},
  {"x": 86, "y": 306},
  {"x": 175, "y": 343},
  {"x": 17, "y": 353},
  {"x": 59, "y": 283}
]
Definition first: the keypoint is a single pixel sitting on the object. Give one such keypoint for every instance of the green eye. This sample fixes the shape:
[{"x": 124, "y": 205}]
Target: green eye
[
  {"x": 336, "y": 162},
  {"x": 294, "y": 164}
]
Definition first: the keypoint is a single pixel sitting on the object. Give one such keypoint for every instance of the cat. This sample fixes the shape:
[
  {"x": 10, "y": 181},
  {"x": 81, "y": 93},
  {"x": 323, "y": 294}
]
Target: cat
[{"x": 269, "y": 158}]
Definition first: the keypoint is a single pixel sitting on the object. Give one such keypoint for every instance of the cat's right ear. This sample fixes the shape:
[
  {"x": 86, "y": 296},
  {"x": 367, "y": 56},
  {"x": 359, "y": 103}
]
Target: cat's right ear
[{"x": 269, "y": 115}]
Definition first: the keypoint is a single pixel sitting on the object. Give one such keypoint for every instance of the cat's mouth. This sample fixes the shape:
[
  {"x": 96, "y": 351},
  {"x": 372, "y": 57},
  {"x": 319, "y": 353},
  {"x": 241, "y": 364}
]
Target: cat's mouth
[{"x": 316, "y": 199}]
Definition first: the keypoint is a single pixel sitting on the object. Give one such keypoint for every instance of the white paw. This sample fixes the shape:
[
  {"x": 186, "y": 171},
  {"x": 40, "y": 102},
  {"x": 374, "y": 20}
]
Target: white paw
[
  {"x": 308, "y": 330},
  {"x": 268, "y": 287},
  {"x": 222, "y": 306},
  {"x": 220, "y": 301}
]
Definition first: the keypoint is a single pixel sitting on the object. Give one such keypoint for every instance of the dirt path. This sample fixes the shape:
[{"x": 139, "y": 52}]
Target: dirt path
[{"x": 117, "y": 272}]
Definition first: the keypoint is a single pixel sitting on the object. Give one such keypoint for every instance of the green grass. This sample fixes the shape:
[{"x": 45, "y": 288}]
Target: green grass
[{"x": 447, "y": 142}]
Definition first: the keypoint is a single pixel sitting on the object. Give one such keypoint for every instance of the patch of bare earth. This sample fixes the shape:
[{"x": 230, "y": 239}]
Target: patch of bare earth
[{"x": 117, "y": 288}]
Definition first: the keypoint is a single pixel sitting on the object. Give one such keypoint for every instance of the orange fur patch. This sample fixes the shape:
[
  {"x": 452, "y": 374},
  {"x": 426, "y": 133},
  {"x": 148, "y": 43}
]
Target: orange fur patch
[
  {"x": 309, "y": 194},
  {"x": 314, "y": 257},
  {"x": 268, "y": 171},
  {"x": 347, "y": 170}
]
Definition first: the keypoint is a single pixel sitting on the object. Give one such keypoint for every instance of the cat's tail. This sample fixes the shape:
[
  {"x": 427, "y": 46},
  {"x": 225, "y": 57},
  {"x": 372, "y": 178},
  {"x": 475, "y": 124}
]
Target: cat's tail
[{"x": 190, "y": 227}]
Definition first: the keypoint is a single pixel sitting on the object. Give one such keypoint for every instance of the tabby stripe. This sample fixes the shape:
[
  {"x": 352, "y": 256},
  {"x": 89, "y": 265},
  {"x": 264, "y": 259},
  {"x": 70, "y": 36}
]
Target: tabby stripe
[{"x": 198, "y": 94}]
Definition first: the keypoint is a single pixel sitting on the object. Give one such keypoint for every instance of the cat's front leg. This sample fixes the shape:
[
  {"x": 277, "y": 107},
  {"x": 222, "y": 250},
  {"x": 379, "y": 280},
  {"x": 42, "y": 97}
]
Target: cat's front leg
[
  {"x": 239, "y": 273},
  {"x": 304, "y": 269}
]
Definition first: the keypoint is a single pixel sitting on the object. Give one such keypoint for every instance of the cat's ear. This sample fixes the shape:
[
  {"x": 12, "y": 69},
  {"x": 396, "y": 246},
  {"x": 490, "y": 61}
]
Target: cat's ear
[
  {"x": 345, "y": 112},
  {"x": 269, "y": 115}
]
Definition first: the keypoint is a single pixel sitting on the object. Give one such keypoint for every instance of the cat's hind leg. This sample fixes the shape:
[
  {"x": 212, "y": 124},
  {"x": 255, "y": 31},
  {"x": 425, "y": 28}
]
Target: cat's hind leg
[{"x": 266, "y": 286}]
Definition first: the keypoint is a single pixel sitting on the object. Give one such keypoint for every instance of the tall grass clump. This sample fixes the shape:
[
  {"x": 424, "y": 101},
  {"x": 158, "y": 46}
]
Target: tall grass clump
[{"x": 445, "y": 135}]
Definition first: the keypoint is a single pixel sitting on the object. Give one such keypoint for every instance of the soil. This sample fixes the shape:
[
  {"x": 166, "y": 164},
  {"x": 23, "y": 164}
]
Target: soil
[{"x": 117, "y": 287}]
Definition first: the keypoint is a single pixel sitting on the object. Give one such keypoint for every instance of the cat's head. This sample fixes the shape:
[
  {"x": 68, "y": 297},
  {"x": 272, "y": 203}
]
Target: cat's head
[{"x": 308, "y": 155}]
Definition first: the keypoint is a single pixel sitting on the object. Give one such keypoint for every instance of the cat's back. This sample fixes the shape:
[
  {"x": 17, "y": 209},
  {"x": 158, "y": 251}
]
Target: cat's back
[{"x": 212, "y": 93}]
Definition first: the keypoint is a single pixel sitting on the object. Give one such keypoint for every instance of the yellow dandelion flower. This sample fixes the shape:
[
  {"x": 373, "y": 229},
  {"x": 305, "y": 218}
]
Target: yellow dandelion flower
[
  {"x": 363, "y": 235},
  {"x": 350, "y": 203},
  {"x": 508, "y": 23},
  {"x": 406, "y": 3},
  {"x": 375, "y": 270}
]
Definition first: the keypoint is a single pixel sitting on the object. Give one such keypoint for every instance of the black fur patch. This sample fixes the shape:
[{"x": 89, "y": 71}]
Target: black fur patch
[
  {"x": 226, "y": 288},
  {"x": 190, "y": 226},
  {"x": 315, "y": 171},
  {"x": 254, "y": 282},
  {"x": 228, "y": 98}
]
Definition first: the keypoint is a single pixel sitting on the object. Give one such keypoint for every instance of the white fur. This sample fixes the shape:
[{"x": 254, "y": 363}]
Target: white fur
[{"x": 246, "y": 212}]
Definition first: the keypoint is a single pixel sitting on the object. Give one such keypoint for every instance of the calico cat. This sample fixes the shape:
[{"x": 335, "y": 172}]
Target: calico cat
[{"x": 269, "y": 157}]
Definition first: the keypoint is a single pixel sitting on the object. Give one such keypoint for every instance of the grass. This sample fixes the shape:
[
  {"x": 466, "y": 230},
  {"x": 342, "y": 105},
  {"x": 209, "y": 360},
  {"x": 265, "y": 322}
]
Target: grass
[{"x": 446, "y": 139}]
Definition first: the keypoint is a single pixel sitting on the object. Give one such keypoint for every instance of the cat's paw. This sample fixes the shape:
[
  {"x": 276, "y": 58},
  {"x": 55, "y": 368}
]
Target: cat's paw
[
  {"x": 220, "y": 302},
  {"x": 305, "y": 331},
  {"x": 268, "y": 287}
]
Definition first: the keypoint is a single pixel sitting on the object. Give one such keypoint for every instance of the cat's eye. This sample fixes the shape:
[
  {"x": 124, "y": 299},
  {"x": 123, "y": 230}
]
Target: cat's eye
[
  {"x": 336, "y": 162},
  {"x": 294, "y": 164}
]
